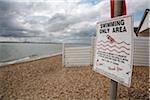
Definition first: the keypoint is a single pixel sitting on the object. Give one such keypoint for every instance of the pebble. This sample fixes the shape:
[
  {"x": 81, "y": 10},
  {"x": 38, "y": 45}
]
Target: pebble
[{"x": 46, "y": 79}]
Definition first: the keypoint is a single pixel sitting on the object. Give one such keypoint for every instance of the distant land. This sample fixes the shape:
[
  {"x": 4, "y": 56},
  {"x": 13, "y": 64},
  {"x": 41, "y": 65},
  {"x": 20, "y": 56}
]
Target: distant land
[{"x": 29, "y": 42}]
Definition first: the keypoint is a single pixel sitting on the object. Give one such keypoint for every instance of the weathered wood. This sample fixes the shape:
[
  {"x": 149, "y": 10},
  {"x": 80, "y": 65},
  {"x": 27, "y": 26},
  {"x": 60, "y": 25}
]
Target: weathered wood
[{"x": 141, "y": 51}]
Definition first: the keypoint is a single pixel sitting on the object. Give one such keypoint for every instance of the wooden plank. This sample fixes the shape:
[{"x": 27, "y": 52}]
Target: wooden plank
[
  {"x": 144, "y": 38},
  {"x": 70, "y": 49},
  {"x": 78, "y": 51},
  {"x": 141, "y": 64},
  {"x": 141, "y": 50},
  {"x": 141, "y": 60},
  {"x": 73, "y": 55},
  {"x": 137, "y": 56},
  {"x": 86, "y": 62},
  {"x": 78, "y": 56},
  {"x": 70, "y": 62},
  {"x": 63, "y": 54},
  {"x": 144, "y": 63},
  {"x": 141, "y": 45},
  {"x": 78, "y": 48},
  {"x": 137, "y": 62},
  {"x": 76, "y": 65},
  {"x": 141, "y": 54},
  {"x": 81, "y": 47},
  {"x": 77, "y": 60},
  {"x": 139, "y": 40}
]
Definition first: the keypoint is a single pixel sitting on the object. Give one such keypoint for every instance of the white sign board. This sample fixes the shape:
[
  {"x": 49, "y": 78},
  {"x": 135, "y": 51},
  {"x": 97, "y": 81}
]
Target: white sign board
[{"x": 113, "y": 53}]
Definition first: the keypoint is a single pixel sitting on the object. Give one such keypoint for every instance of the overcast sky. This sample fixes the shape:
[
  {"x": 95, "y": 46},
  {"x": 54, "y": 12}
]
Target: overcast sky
[{"x": 59, "y": 20}]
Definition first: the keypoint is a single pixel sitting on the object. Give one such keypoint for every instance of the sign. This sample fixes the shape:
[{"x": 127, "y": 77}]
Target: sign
[{"x": 113, "y": 53}]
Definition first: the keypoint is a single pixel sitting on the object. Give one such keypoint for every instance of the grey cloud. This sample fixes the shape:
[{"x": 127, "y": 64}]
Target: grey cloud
[
  {"x": 8, "y": 25},
  {"x": 9, "y": 12},
  {"x": 61, "y": 22},
  {"x": 58, "y": 24}
]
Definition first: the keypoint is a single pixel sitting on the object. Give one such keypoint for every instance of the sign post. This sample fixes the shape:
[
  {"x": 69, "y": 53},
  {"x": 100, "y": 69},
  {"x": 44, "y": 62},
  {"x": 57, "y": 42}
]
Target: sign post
[
  {"x": 113, "y": 84},
  {"x": 113, "y": 53}
]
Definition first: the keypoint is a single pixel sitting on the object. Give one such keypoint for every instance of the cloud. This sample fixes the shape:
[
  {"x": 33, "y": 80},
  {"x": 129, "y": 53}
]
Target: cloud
[
  {"x": 58, "y": 20},
  {"x": 134, "y": 5},
  {"x": 135, "y": 8}
]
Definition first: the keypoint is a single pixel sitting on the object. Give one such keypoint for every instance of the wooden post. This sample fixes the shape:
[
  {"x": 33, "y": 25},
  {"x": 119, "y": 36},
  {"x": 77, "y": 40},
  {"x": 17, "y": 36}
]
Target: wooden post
[
  {"x": 92, "y": 50},
  {"x": 63, "y": 54}
]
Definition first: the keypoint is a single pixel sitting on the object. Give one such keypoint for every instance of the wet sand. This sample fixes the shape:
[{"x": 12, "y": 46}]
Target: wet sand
[{"x": 46, "y": 79}]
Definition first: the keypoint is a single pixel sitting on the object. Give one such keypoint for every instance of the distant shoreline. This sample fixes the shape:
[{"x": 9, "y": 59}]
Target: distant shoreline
[
  {"x": 28, "y": 59},
  {"x": 41, "y": 42},
  {"x": 32, "y": 42}
]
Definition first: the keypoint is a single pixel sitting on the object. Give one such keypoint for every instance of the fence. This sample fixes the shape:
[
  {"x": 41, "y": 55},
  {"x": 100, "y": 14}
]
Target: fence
[
  {"x": 141, "y": 51},
  {"x": 84, "y": 55},
  {"x": 77, "y": 56}
]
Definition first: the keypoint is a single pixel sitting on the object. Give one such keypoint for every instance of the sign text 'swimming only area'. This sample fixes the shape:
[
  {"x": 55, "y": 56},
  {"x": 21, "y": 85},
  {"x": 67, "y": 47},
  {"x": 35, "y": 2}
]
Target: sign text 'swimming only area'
[{"x": 113, "y": 53}]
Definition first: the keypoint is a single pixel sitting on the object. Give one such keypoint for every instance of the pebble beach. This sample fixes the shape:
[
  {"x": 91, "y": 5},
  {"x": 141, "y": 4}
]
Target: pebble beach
[{"x": 47, "y": 79}]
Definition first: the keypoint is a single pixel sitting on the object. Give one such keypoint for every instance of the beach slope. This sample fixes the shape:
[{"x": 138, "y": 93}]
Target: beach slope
[{"x": 46, "y": 79}]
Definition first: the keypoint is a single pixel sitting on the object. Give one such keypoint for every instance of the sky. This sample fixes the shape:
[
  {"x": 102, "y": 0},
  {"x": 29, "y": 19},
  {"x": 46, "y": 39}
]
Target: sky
[{"x": 58, "y": 20}]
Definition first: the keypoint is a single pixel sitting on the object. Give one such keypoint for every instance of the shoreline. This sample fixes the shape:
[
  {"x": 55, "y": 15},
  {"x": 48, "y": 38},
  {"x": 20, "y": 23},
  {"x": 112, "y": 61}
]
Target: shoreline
[{"x": 28, "y": 59}]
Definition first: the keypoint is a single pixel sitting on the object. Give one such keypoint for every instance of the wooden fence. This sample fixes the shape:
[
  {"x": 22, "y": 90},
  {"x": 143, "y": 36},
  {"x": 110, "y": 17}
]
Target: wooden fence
[
  {"x": 85, "y": 55},
  {"x": 77, "y": 56},
  {"x": 141, "y": 53}
]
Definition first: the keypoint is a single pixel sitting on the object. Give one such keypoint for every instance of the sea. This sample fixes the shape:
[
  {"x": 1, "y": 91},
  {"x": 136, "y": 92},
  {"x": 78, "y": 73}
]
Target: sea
[{"x": 15, "y": 51}]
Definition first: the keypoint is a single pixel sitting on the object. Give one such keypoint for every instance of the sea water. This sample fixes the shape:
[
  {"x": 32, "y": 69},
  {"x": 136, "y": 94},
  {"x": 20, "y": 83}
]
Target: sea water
[{"x": 15, "y": 51}]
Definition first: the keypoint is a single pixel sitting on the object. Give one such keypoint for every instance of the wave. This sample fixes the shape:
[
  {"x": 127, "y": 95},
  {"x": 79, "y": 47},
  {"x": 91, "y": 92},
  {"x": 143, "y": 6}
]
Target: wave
[
  {"x": 113, "y": 50},
  {"x": 122, "y": 42},
  {"x": 113, "y": 46}
]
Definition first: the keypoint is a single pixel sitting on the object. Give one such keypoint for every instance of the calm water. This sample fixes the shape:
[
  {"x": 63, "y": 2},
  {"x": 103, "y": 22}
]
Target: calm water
[{"x": 15, "y": 51}]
